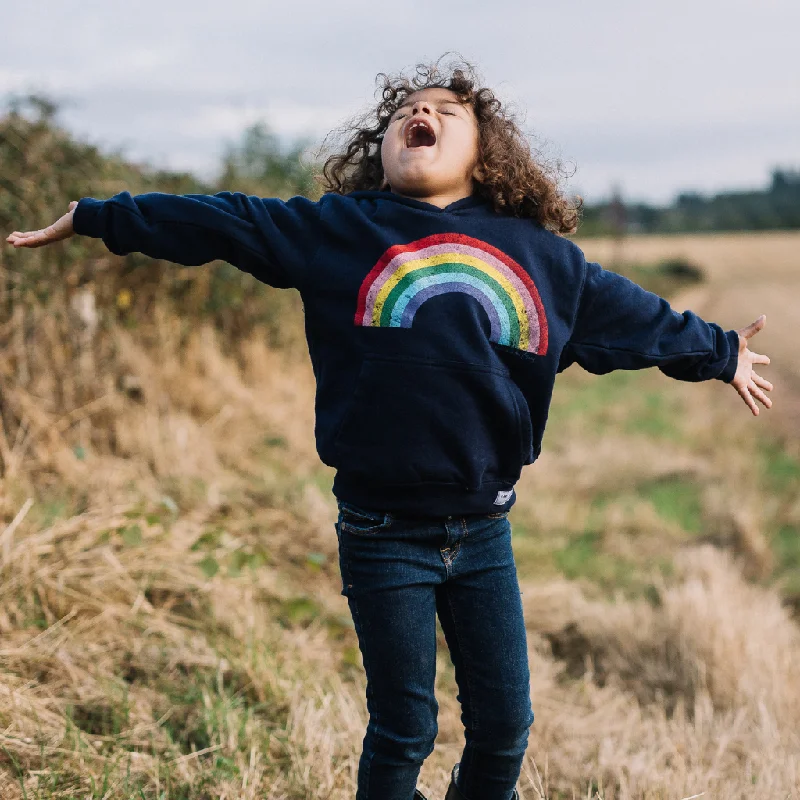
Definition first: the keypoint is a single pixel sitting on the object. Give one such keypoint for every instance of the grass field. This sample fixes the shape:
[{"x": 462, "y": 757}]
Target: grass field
[{"x": 171, "y": 623}]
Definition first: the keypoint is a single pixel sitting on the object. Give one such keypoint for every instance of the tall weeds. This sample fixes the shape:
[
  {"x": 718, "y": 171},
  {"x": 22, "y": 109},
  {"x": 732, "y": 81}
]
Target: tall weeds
[{"x": 65, "y": 369}]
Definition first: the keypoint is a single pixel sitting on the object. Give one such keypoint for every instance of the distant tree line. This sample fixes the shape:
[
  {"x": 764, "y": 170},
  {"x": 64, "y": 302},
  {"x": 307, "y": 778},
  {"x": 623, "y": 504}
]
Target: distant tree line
[{"x": 773, "y": 208}]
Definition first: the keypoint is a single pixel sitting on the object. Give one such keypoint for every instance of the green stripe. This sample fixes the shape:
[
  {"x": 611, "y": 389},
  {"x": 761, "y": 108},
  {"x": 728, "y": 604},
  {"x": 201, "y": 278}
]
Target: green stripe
[{"x": 439, "y": 269}]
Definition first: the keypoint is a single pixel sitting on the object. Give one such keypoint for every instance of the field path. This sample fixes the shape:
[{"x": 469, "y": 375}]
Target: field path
[{"x": 747, "y": 274}]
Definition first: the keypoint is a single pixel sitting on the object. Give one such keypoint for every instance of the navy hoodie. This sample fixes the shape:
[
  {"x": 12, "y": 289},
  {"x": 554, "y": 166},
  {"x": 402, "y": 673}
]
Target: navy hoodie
[{"x": 435, "y": 334}]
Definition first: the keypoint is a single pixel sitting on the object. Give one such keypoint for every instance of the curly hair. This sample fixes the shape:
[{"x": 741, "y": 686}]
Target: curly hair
[{"x": 513, "y": 179}]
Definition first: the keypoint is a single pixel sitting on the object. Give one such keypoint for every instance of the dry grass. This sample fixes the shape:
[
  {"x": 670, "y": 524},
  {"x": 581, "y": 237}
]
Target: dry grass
[{"x": 171, "y": 623}]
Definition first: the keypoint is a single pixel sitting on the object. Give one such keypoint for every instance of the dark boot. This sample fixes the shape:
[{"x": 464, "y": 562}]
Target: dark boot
[{"x": 454, "y": 794}]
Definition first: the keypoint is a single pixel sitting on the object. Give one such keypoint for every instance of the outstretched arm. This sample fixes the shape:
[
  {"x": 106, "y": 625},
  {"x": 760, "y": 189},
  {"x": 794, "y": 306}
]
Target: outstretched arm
[
  {"x": 274, "y": 240},
  {"x": 620, "y": 325}
]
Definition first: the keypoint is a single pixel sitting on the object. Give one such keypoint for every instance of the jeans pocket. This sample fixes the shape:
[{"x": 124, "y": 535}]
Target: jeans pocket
[{"x": 360, "y": 520}]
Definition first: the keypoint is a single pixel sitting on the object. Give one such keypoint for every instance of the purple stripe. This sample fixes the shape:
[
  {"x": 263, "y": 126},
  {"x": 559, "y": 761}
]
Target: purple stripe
[{"x": 443, "y": 288}]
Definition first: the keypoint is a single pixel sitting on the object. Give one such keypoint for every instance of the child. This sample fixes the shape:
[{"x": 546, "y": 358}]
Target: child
[{"x": 440, "y": 304}]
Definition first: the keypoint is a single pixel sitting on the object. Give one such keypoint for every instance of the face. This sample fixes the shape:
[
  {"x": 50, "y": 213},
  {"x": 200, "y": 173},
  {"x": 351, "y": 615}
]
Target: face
[{"x": 431, "y": 146}]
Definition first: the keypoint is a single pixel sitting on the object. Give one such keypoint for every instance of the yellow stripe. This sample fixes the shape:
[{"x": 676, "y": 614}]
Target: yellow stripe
[{"x": 458, "y": 258}]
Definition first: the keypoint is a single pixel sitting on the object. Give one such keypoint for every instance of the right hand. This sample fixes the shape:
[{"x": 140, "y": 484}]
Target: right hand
[
  {"x": 60, "y": 229},
  {"x": 746, "y": 381}
]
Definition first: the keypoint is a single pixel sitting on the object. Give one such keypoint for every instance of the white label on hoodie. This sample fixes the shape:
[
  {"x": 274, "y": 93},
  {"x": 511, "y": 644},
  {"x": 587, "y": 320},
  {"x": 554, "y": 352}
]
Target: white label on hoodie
[{"x": 503, "y": 497}]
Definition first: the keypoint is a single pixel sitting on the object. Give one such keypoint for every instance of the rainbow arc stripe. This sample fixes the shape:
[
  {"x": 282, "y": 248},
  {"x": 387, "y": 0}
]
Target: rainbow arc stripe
[{"x": 408, "y": 275}]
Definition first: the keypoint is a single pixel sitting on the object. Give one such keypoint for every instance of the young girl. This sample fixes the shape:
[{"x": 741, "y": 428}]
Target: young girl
[{"x": 440, "y": 304}]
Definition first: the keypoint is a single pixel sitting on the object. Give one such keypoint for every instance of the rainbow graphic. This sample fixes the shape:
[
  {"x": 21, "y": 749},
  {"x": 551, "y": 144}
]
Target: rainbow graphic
[{"x": 407, "y": 275}]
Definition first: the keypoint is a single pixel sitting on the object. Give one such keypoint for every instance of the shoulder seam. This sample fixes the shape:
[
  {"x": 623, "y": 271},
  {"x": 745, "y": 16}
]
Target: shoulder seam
[
  {"x": 313, "y": 259},
  {"x": 585, "y": 273}
]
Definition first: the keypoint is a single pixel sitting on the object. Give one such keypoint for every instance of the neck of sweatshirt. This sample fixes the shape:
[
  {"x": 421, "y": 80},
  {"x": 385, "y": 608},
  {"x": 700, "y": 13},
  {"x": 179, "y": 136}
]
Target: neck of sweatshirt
[{"x": 474, "y": 204}]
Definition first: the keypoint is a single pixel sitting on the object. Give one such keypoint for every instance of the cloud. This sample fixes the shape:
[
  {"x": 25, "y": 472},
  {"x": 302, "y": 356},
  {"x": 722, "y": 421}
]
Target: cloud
[{"x": 657, "y": 96}]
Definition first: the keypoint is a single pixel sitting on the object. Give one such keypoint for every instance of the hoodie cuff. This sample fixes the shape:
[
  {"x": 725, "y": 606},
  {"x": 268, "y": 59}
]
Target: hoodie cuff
[
  {"x": 729, "y": 371},
  {"x": 86, "y": 217}
]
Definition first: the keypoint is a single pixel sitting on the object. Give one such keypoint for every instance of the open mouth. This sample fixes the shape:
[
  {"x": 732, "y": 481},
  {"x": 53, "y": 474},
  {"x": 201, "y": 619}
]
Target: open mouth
[{"x": 419, "y": 133}]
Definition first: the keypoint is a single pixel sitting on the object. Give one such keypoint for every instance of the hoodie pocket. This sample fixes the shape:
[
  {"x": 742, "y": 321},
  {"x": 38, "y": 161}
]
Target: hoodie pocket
[{"x": 416, "y": 421}]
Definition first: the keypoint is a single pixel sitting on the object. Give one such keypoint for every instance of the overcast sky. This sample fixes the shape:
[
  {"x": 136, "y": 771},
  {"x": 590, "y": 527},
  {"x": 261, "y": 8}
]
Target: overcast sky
[{"x": 656, "y": 97}]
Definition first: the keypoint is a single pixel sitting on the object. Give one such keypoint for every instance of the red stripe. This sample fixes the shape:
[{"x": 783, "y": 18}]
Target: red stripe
[{"x": 393, "y": 251}]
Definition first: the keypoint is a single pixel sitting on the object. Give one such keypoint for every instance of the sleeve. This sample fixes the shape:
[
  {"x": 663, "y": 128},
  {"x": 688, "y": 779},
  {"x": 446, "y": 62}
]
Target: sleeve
[
  {"x": 620, "y": 325},
  {"x": 272, "y": 239}
]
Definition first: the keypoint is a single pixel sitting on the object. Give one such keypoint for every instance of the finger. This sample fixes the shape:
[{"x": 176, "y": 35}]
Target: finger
[
  {"x": 759, "y": 395},
  {"x": 18, "y": 238},
  {"x": 28, "y": 234},
  {"x": 754, "y": 327},
  {"x": 762, "y": 382},
  {"x": 25, "y": 234},
  {"x": 32, "y": 239},
  {"x": 758, "y": 358},
  {"x": 749, "y": 400},
  {"x": 72, "y": 205}
]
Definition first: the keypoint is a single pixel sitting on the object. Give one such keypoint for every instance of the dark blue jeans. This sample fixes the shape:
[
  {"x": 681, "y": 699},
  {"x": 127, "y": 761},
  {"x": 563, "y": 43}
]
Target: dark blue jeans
[{"x": 397, "y": 575}]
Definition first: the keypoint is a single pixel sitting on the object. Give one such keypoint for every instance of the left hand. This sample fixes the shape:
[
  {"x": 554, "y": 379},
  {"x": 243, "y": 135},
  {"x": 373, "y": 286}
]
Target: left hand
[{"x": 746, "y": 381}]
